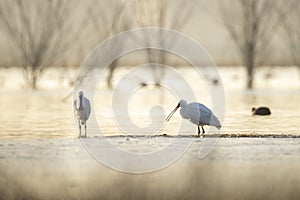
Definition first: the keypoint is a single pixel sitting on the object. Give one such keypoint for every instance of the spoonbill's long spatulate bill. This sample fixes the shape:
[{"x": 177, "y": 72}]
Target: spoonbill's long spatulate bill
[{"x": 172, "y": 113}]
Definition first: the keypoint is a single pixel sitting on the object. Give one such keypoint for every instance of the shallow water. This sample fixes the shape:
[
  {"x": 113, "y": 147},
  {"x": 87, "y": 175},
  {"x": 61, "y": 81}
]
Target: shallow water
[
  {"x": 38, "y": 142},
  {"x": 43, "y": 114}
]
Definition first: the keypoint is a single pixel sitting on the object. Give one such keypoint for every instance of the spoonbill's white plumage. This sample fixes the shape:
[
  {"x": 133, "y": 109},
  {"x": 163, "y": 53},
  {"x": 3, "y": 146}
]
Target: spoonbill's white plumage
[
  {"x": 82, "y": 110},
  {"x": 197, "y": 113}
]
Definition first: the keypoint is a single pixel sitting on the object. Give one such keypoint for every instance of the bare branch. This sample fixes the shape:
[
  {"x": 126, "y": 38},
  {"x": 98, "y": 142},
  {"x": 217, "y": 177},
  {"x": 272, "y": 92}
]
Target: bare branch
[
  {"x": 161, "y": 13},
  {"x": 251, "y": 24},
  {"x": 38, "y": 33},
  {"x": 291, "y": 27}
]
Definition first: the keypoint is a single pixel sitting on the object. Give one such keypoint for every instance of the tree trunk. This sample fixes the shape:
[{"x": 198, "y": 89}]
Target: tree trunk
[
  {"x": 250, "y": 76},
  {"x": 250, "y": 65},
  {"x": 32, "y": 77},
  {"x": 112, "y": 68},
  {"x": 299, "y": 71},
  {"x": 162, "y": 60},
  {"x": 33, "y": 82}
]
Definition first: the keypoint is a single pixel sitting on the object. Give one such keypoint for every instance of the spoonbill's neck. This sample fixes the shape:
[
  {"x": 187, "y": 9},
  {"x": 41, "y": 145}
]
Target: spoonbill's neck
[
  {"x": 80, "y": 103},
  {"x": 183, "y": 112}
]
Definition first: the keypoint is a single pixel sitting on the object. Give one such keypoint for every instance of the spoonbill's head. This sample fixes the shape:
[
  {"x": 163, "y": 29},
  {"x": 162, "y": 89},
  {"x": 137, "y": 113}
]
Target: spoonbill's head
[
  {"x": 181, "y": 103},
  {"x": 80, "y": 94},
  {"x": 253, "y": 109}
]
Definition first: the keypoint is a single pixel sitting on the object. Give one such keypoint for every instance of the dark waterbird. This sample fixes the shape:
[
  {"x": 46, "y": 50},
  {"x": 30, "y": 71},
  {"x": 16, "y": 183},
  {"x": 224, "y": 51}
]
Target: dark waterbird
[{"x": 261, "y": 111}]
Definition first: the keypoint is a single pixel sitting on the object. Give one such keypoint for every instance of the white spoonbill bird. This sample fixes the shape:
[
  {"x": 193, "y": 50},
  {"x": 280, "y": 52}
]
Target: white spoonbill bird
[
  {"x": 82, "y": 110},
  {"x": 197, "y": 113}
]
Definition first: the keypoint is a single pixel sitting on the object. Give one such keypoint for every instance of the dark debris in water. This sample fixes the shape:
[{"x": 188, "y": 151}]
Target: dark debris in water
[
  {"x": 223, "y": 135},
  {"x": 243, "y": 135}
]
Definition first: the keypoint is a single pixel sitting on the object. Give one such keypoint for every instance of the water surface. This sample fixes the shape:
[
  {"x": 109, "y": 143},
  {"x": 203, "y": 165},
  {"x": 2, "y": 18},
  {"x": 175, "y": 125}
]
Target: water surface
[{"x": 39, "y": 144}]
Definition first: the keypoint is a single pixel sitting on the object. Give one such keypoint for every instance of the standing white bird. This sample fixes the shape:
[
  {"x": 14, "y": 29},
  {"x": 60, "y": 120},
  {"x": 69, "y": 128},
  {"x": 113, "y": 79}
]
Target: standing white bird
[
  {"x": 197, "y": 113},
  {"x": 82, "y": 110}
]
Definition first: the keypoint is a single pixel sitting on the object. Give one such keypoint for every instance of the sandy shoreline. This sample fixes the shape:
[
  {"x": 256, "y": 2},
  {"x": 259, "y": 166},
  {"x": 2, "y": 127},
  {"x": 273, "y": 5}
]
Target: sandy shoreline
[{"x": 238, "y": 168}]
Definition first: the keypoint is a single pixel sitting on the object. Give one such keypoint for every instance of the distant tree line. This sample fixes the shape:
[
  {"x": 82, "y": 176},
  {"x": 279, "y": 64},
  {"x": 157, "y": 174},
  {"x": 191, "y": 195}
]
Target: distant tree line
[
  {"x": 252, "y": 25},
  {"x": 43, "y": 31},
  {"x": 39, "y": 33}
]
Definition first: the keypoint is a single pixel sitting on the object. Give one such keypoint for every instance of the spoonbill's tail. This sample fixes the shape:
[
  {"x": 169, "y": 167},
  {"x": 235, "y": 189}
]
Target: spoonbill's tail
[{"x": 215, "y": 122}]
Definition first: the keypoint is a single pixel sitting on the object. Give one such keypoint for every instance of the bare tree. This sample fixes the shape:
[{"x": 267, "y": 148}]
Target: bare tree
[
  {"x": 39, "y": 33},
  {"x": 102, "y": 19},
  {"x": 109, "y": 18},
  {"x": 163, "y": 14},
  {"x": 251, "y": 24},
  {"x": 291, "y": 28}
]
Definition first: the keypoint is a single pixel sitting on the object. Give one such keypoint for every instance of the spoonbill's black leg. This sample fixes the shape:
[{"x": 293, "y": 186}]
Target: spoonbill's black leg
[
  {"x": 85, "y": 129},
  {"x": 203, "y": 131},
  {"x": 79, "y": 129},
  {"x": 198, "y": 131}
]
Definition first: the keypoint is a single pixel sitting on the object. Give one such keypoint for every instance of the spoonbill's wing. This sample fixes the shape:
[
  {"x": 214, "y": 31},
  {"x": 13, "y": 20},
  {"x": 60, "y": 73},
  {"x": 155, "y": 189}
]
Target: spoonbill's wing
[
  {"x": 87, "y": 107},
  {"x": 207, "y": 117},
  {"x": 199, "y": 113}
]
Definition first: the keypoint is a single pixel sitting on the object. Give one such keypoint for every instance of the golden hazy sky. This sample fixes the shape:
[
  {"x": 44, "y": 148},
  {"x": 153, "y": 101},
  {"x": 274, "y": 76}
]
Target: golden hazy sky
[{"x": 204, "y": 25}]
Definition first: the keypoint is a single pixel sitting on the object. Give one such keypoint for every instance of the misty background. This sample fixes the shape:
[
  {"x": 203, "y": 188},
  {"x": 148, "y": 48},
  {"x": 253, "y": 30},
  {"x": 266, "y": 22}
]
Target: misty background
[
  {"x": 41, "y": 34},
  {"x": 254, "y": 43},
  {"x": 204, "y": 24}
]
